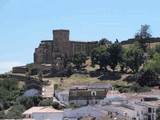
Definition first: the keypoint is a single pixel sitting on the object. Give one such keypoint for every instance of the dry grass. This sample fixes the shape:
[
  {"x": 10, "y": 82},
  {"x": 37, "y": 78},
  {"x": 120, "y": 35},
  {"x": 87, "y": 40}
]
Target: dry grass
[
  {"x": 66, "y": 83},
  {"x": 151, "y": 45},
  {"x": 82, "y": 78},
  {"x": 21, "y": 84}
]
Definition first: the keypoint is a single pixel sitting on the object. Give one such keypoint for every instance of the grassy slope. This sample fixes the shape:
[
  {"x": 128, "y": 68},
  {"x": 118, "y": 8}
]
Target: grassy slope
[{"x": 86, "y": 78}]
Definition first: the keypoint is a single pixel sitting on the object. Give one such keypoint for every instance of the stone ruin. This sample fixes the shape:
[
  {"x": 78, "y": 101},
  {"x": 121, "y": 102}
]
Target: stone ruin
[{"x": 53, "y": 52}]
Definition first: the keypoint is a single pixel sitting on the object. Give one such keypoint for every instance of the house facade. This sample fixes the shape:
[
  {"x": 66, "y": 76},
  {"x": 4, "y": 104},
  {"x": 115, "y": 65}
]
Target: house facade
[{"x": 43, "y": 113}]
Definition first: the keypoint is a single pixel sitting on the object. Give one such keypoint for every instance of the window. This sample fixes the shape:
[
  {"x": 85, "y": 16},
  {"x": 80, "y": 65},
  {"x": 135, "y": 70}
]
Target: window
[
  {"x": 149, "y": 117},
  {"x": 149, "y": 110}
]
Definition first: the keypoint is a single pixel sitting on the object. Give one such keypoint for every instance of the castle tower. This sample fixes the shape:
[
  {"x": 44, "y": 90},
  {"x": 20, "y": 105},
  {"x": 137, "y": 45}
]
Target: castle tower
[
  {"x": 60, "y": 43},
  {"x": 61, "y": 35}
]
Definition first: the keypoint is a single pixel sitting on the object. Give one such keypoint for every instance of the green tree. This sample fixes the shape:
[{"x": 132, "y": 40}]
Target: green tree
[
  {"x": 135, "y": 58},
  {"x": 154, "y": 63},
  {"x": 55, "y": 105},
  {"x": 15, "y": 112},
  {"x": 8, "y": 92},
  {"x": 45, "y": 102},
  {"x": 40, "y": 75},
  {"x": 100, "y": 56},
  {"x": 104, "y": 41},
  {"x": 79, "y": 59},
  {"x": 123, "y": 61},
  {"x": 115, "y": 55},
  {"x": 135, "y": 87},
  {"x": 55, "y": 87},
  {"x": 149, "y": 78},
  {"x": 157, "y": 48},
  {"x": 143, "y": 34},
  {"x": 27, "y": 102},
  {"x": 2, "y": 115},
  {"x": 36, "y": 99}
]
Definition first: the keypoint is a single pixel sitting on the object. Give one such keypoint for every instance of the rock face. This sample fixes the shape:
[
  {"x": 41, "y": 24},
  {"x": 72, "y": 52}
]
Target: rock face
[{"x": 54, "y": 51}]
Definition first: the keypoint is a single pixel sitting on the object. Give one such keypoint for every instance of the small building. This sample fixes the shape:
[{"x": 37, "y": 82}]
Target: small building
[
  {"x": 63, "y": 96},
  {"x": 92, "y": 86},
  {"x": 86, "y": 96},
  {"x": 114, "y": 96},
  {"x": 43, "y": 113}
]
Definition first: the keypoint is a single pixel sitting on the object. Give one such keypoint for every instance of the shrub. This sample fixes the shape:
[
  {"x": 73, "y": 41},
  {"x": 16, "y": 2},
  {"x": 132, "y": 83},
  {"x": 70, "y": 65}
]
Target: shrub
[
  {"x": 55, "y": 105},
  {"x": 55, "y": 87},
  {"x": 45, "y": 102}
]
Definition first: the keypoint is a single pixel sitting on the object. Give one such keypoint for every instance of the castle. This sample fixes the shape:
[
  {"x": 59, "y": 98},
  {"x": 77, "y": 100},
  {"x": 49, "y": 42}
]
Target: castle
[{"x": 54, "y": 51}]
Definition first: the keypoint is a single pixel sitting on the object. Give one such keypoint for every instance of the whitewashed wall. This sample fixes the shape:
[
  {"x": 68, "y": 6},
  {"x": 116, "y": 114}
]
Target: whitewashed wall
[
  {"x": 84, "y": 111},
  {"x": 62, "y": 96},
  {"x": 49, "y": 116}
]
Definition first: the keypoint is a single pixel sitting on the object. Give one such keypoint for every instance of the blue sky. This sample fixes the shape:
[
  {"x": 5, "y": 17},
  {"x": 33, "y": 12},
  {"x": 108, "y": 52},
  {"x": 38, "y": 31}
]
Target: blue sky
[{"x": 24, "y": 23}]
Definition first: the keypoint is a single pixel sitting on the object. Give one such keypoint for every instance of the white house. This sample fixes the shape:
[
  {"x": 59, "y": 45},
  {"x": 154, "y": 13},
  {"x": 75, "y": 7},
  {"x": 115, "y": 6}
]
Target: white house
[
  {"x": 113, "y": 96},
  {"x": 92, "y": 86},
  {"x": 74, "y": 114},
  {"x": 43, "y": 113},
  {"x": 62, "y": 95}
]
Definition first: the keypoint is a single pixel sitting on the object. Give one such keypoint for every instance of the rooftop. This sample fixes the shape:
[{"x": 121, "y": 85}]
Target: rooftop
[{"x": 41, "y": 110}]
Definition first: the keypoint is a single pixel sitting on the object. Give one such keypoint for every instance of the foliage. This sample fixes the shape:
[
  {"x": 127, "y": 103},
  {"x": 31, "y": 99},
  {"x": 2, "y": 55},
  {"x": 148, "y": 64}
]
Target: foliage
[
  {"x": 137, "y": 88},
  {"x": 79, "y": 59},
  {"x": 27, "y": 102},
  {"x": 32, "y": 69},
  {"x": 157, "y": 48},
  {"x": 135, "y": 58},
  {"x": 8, "y": 92},
  {"x": 55, "y": 105},
  {"x": 2, "y": 115},
  {"x": 143, "y": 34},
  {"x": 149, "y": 78},
  {"x": 40, "y": 75},
  {"x": 122, "y": 89},
  {"x": 154, "y": 63},
  {"x": 74, "y": 106},
  {"x": 36, "y": 99},
  {"x": 45, "y": 102},
  {"x": 100, "y": 56},
  {"x": 15, "y": 112},
  {"x": 115, "y": 55},
  {"x": 123, "y": 61},
  {"x": 55, "y": 87},
  {"x": 104, "y": 41}
]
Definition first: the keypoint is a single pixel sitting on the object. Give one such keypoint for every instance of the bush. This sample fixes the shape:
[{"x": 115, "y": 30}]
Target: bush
[
  {"x": 2, "y": 115},
  {"x": 55, "y": 87},
  {"x": 123, "y": 89},
  {"x": 45, "y": 102},
  {"x": 137, "y": 88},
  {"x": 75, "y": 106},
  {"x": 15, "y": 112},
  {"x": 55, "y": 105}
]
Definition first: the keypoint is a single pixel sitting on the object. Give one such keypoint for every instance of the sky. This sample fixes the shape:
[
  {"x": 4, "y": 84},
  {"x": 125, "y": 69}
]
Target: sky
[{"x": 24, "y": 23}]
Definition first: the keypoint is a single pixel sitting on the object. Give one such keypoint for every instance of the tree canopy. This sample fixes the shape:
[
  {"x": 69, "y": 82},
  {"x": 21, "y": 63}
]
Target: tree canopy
[
  {"x": 79, "y": 58},
  {"x": 115, "y": 54}
]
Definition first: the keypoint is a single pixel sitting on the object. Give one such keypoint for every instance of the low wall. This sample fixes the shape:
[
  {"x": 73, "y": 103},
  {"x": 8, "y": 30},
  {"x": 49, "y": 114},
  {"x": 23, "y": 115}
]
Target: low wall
[{"x": 19, "y": 69}]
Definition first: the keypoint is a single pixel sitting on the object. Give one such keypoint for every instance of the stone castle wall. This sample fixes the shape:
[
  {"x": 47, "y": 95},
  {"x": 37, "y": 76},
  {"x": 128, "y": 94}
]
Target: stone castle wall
[{"x": 54, "y": 51}]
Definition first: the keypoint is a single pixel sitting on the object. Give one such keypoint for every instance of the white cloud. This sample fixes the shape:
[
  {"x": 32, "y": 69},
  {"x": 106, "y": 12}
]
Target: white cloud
[{"x": 7, "y": 66}]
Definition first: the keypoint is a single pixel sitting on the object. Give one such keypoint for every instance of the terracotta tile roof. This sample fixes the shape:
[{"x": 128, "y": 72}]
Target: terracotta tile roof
[{"x": 41, "y": 110}]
